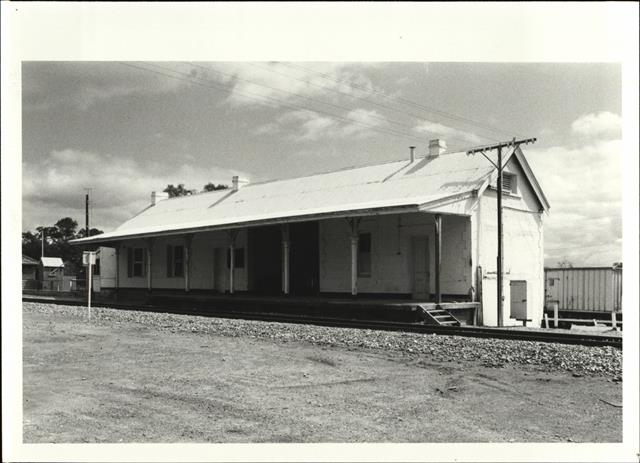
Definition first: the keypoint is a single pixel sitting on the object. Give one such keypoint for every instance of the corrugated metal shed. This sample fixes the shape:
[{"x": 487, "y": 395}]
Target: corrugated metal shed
[
  {"x": 424, "y": 183},
  {"x": 52, "y": 262}
]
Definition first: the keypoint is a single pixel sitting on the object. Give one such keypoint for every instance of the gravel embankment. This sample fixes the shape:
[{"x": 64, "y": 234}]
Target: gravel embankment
[{"x": 580, "y": 360}]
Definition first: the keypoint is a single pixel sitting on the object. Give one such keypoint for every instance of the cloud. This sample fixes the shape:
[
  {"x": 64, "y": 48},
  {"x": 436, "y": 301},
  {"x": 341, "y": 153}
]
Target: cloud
[
  {"x": 437, "y": 130},
  {"x": 307, "y": 125},
  {"x": 80, "y": 85},
  {"x": 583, "y": 185},
  {"x": 602, "y": 124},
  {"x": 55, "y": 187},
  {"x": 279, "y": 84}
]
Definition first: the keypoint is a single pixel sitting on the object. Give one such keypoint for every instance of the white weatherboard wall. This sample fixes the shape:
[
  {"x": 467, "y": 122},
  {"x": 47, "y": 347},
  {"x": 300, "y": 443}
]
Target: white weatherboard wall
[
  {"x": 523, "y": 249},
  {"x": 202, "y": 273},
  {"x": 391, "y": 257},
  {"x": 107, "y": 277}
]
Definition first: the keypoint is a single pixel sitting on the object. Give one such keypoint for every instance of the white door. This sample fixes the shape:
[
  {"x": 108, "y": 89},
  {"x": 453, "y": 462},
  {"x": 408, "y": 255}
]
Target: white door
[
  {"x": 518, "y": 300},
  {"x": 420, "y": 251}
]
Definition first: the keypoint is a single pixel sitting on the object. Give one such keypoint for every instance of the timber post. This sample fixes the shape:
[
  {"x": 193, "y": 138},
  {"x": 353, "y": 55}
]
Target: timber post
[
  {"x": 286, "y": 244},
  {"x": 187, "y": 260},
  {"x": 438, "y": 246},
  {"x": 149, "y": 242}
]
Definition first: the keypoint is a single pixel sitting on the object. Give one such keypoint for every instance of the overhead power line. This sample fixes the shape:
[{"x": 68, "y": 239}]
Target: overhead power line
[
  {"x": 339, "y": 92},
  {"x": 383, "y": 119},
  {"x": 412, "y": 128},
  {"x": 423, "y": 107},
  {"x": 261, "y": 98}
]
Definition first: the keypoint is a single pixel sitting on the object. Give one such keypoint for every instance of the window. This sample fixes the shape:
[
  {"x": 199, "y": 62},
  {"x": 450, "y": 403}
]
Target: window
[
  {"x": 175, "y": 261},
  {"x": 364, "y": 255},
  {"x": 135, "y": 262},
  {"x": 238, "y": 258},
  {"x": 509, "y": 183},
  {"x": 96, "y": 268}
]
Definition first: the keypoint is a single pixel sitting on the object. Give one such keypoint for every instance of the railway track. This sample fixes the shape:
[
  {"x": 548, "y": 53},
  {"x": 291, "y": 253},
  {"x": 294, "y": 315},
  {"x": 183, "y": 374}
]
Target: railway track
[{"x": 468, "y": 331}]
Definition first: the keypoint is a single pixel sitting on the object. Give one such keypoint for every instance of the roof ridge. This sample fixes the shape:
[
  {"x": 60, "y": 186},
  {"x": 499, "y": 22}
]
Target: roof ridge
[{"x": 342, "y": 169}]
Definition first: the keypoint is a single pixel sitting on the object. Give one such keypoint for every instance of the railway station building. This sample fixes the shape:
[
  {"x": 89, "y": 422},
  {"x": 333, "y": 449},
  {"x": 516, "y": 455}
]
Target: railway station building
[{"x": 420, "y": 230}]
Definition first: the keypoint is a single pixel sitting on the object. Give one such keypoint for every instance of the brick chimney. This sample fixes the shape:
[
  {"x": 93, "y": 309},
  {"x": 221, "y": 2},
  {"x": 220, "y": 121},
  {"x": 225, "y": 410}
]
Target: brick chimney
[
  {"x": 157, "y": 196},
  {"x": 437, "y": 147},
  {"x": 238, "y": 182}
]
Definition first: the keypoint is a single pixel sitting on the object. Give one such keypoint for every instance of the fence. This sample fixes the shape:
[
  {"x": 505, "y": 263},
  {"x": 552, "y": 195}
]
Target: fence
[
  {"x": 584, "y": 289},
  {"x": 58, "y": 285}
]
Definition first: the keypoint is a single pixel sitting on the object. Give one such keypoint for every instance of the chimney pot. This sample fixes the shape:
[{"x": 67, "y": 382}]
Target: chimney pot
[
  {"x": 412, "y": 154},
  {"x": 437, "y": 147}
]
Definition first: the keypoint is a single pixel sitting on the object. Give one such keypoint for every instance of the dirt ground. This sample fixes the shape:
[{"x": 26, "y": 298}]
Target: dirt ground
[{"x": 127, "y": 382}]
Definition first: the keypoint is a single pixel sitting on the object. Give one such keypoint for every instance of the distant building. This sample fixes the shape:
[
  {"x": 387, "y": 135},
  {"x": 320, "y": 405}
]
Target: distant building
[
  {"x": 29, "y": 272},
  {"x": 50, "y": 273},
  {"x": 407, "y": 229}
]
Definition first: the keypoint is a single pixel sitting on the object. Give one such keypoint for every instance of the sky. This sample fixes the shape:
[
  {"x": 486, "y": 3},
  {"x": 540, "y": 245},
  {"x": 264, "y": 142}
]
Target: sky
[{"x": 125, "y": 129}]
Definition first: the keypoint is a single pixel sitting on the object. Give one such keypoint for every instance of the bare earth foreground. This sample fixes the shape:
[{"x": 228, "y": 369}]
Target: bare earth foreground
[{"x": 122, "y": 378}]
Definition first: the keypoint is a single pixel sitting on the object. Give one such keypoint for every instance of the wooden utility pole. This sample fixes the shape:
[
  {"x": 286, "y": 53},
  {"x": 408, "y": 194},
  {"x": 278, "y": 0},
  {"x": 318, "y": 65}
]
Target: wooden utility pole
[
  {"x": 500, "y": 259},
  {"x": 86, "y": 215}
]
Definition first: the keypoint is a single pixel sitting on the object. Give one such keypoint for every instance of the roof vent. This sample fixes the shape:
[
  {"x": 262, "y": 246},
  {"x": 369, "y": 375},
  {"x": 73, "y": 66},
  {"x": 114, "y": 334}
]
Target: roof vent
[
  {"x": 238, "y": 182},
  {"x": 411, "y": 153},
  {"x": 437, "y": 147},
  {"x": 156, "y": 197}
]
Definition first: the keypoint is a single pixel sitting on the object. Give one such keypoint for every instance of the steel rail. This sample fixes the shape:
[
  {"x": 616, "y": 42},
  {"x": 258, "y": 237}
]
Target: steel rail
[{"x": 466, "y": 331}]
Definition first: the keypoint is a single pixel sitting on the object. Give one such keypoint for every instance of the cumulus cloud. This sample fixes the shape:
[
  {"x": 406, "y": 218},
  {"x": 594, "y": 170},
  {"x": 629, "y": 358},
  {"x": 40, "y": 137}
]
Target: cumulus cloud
[
  {"x": 280, "y": 84},
  {"x": 307, "y": 125},
  {"x": 54, "y": 187},
  {"x": 450, "y": 134},
  {"x": 583, "y": 185},
  {"x": 602, "y": 124}
]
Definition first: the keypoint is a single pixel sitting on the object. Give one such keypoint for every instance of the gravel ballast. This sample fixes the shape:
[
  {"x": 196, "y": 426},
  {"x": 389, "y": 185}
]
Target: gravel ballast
[{"x": 550, "y": 357}]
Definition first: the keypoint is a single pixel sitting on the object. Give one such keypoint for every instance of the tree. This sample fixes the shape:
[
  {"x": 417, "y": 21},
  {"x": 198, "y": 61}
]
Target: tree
[
  {"x": 565, "y": 263},
  {"x": 57, "y": 244},
  {"x": 211, "y": 187},
  {"x": 180, "y": 190}
]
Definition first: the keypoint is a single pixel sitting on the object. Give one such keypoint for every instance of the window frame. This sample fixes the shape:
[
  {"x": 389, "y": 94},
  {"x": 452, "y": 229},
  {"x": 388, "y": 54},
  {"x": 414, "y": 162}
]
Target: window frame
[
  {"x": 175, "y": 261},
  {"x": 133, "y": 262}
]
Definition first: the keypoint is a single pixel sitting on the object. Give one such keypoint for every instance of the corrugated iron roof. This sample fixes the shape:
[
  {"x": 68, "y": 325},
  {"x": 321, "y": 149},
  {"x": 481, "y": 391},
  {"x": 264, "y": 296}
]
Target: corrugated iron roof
[
  {"x": 26, "y": 260},
  {"x": 52, "y": 262},
  {"x": 389, "y": 185}
]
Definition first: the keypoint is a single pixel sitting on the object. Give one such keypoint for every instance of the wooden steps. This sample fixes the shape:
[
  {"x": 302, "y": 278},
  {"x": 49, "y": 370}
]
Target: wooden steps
[{"x": 438, "y": 316}]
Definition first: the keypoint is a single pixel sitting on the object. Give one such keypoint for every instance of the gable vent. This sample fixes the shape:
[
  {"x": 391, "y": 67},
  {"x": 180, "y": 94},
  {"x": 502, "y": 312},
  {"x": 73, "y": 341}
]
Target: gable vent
[{"x": 508, "y": 183}]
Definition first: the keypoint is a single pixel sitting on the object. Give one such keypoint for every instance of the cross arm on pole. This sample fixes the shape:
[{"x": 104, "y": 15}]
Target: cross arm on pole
[{"x": 515, "y": 143}]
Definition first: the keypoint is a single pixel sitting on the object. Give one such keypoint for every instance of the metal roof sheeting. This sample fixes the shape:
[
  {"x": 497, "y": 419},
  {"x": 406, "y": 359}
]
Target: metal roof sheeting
[
  {"x": 26, "y": 260},
  {"x": 388, "y": 185},
  {"x": 52, "y": 262}
]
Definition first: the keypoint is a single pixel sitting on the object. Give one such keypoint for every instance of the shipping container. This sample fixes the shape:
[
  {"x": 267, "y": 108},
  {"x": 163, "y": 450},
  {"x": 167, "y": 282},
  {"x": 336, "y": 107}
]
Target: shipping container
[{"x": 584, "y": 289}]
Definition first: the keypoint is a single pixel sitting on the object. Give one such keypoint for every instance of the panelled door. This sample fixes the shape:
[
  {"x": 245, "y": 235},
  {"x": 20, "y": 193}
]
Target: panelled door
[
  {"x": 420, "y": 251},
  {"x": 518, "y": 299}
]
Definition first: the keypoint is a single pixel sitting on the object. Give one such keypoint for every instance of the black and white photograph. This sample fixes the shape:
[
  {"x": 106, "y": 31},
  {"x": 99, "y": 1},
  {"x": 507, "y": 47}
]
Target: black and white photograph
[{"x": 300, "y": 249}]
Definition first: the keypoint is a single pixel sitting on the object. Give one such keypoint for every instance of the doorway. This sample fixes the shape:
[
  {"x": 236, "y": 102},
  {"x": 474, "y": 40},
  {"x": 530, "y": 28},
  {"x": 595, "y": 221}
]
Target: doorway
[
  {"x": 421, "y": 274},
  {"x": 304, "y": 258},
  {"x": 220, "y": 271},
  {"x": 265, "y": 260}
]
